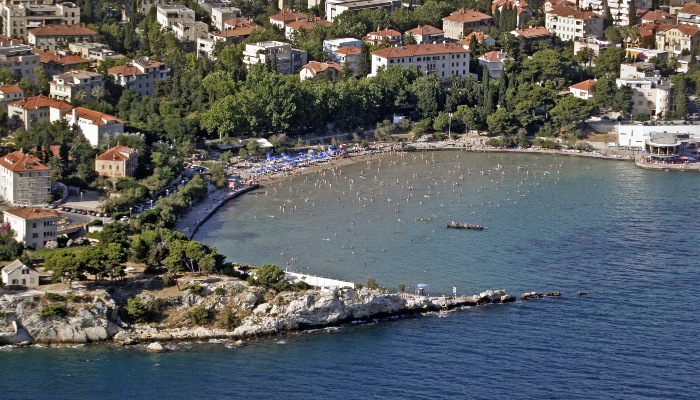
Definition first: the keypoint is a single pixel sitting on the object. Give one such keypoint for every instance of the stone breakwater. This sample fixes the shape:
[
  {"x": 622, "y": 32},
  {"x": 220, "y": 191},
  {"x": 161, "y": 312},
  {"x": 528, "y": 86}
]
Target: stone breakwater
[{"x": 94, "y": 318}]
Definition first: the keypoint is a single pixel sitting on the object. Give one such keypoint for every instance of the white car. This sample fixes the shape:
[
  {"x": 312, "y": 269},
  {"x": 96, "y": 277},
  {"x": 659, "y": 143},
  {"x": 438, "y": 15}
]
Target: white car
[{"x": 124, "y": 218}]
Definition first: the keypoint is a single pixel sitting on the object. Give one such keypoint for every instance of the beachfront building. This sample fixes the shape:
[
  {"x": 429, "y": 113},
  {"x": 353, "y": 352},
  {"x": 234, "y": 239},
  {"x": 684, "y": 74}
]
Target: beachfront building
[
  {"x": 17, "y": 273},
  {"x": 19, "y": 16},
  {"x": 583, "y": 90},
  {"x": 458, "y": 24},
  {"x": 494, "y": 61},
  {"x": 140, "y": 75},
  {"x": 676, "y": 38},
  {"x": 284, "y": 59},
  {"x": 24, "y": 180},
  {"x": 54, "y": 37},
  {"x": 427, "y": 34},
  {"x": 469, "y": 42},
  {"x": 442, "y": 60},
  {"x": 18, "y": 58},
  {"x": 570, "y": 23},
  {"x": 75, "y": 86},
  {"x": 306, "y": 24},
  {"x": 314, "y": 68},
  {"x": 32, "y": 226},
  {"x": 652, "y": 94},
  {"x": 281, "y": 19},
  {"x": 94, "y": 125},
  {"x": 10, "y": 94},
  {"x": 117, "y": 162},
  {"x": 60, "y": 62},
  {"x": 219, "y": 15},
  {"x": 635, "y": 135},
  {"x": 337, "y": 7},
  {"x": 36, "y": 109}
]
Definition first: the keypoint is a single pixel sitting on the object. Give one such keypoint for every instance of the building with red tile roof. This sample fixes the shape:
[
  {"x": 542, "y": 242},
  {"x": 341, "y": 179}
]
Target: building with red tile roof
[
  {"x": 117, "y": 162},
  {"x": 522, "y": 8},
  {"x": 281, "y": 19},
  {"x": 313, "y": 68},
  {"x": 36, "y": 109},
  {"x": 53, "y": 37},
  {"x": 24, "y": 180},
  {"x": 32, "y": 226},
  {"x": 689, "y": 14},
  {"x": 676, "y": 38},
  {"x": 568, "y": 22},
  {"x": 457, "y": 24},
  {"x": 442, "y": 60},
  {"x": 307, "y": 24},
  {"x": 140, "y": 75},
  {"x": 59, "y": 62},
  {"x": 493, "y": 61},
  {"x": 469, "y": 41},
  {"x": 10, "y": 94},
  {"x": 95, "y": 125},
  {"x": 583, "y": 90},
  {"x": 390, "y": 36},
  {"x": 533, "y": 34},
  {"x": 427, "y": 34}
]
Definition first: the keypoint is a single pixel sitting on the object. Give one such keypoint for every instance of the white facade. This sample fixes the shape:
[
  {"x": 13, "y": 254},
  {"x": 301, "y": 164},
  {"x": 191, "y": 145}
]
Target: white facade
[
  {"x": 23, "y": 179},
  {"x": 94, "y": 51},
  {"x": 66, "y": 87},
  {"x": 348, "y": 57},
  {"x": 634, "y": 135},
  {"x": 494, "y": 61},
  {"x": 18, "y": 16},
  {"x": 95, "y": 125},
  {"x": 221, "y": 14},
  {"x": 282, "y": 56},
  {"x": 569, "y": 23},
  {"x": 331, "y": 45},
  {"x": 169, "y": 15},
  {"x": 190, "y": 31},
  {"x": 33, "y": 226},
  {"x": 140, "y": 75},
  {"x": 442, "y": 60},
  {"x": 652, "y": 93},
  {"x": 16, "y": 273},
  {"x": 20, "y": 60},
  {"x": 337, "y": 7}
]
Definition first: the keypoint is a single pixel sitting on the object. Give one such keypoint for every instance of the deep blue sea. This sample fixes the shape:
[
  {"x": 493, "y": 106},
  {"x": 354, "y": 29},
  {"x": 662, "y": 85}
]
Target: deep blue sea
[{"x": 628, "y": 237}]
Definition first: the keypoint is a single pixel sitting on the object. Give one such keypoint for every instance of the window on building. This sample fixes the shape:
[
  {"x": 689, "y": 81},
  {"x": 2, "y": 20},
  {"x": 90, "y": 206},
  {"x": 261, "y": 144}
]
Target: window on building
[
  {"x": 35, "y": 235},
  {"x": 34, "y": 225}
]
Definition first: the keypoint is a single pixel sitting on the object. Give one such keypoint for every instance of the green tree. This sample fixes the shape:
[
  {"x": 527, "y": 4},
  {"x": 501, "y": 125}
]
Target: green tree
[
  {"x": 571, "y": 109},
  {"x": 608, "y": 62},
  {"x": 65, "y": 265},
  {"x": 218, "y": 175},
  {"x": 501, "y": 122},
  {"x": 271, "y": 277},
  {"x": 41, "y": 80},
  {"x": 6, "y": 77}
]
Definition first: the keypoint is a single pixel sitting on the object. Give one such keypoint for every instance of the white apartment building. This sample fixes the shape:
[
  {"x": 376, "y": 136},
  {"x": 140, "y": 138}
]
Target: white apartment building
[
  {"x": 24, "y": 180},
  {"x": 494, "y": 61},
  {"x": 19, "y": 16},
  {"x": 634, "y": 135},
  {"x": 652, "y": 93},
  {"x": 583, "y": 90},
  {"x": 441, "y": 60},
  {"x": 190, "y": 31},
  {"x": 140, "y": 75},
  {"x": 337, "y": 7},
  {"x": 54, "y": 37},
  {"x": 75, "y": 85},
  {"x": 461, "y": 22},
  {"x": 170, "y": 14},
  {"x": 95, "y": 125},
  {"x": 570, "y": 23},
  {"x": 331, "y": 45},
  {"x": 19, "y": 59},
  {"x": 349, "y": 57},
  {"x": 219, "y": 15},
  {"x": 10, "y": 94},
  {"x": 36, "y": 109},
  {"x": 94, "y": 51},
  {"x": 280, "y": 55},
  {"x": 32, "y": 226}
]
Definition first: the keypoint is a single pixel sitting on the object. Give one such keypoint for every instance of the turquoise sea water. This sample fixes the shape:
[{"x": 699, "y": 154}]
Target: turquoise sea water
[{"x": 628, "y": 237}]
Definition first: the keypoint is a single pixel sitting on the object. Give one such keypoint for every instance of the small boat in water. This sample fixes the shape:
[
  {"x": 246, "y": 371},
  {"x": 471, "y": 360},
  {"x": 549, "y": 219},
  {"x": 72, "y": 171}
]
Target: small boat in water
[{"x": 457, "y": 225}]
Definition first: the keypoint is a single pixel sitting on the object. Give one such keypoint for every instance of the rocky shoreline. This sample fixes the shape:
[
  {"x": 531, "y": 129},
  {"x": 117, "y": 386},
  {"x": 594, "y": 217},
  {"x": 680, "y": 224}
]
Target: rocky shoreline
[{"x": 94, "y": 317}]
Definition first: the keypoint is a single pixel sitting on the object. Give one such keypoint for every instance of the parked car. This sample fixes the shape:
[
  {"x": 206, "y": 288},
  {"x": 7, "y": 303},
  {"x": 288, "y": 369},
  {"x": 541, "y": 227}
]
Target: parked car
[{"x": 124, "y": 218}]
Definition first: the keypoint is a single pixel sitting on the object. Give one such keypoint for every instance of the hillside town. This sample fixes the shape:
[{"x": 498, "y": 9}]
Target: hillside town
[{"x": 118, "y": 117}]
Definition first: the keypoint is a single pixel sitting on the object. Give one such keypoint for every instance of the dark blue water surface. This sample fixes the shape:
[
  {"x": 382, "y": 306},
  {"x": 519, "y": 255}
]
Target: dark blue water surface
[{"x": 628, "y": 237}]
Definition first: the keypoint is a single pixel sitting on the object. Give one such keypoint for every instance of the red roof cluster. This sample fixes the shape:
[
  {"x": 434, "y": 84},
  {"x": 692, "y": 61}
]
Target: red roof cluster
[{"x": 20, "y": 162}]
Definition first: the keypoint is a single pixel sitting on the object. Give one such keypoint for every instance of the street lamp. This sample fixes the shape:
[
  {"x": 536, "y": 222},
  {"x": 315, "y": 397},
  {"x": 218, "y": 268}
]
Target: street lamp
[
  {"x": 150, "y": 204},
  {"x": 81, "y": 195},
  {"x": 130, "y": 209}
]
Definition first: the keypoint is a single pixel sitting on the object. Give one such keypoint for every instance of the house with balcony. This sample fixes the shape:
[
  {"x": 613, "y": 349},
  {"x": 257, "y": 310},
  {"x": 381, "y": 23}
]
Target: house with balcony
[
  {"x": 493, "y": 62},
  {"x": 18, "y": 58},
  {"x": 55, "y": 37},
  {"x": 427, "y": 34},
  {"x": 652, "y": 93},
  {"x": 568, "y": 22},
  {"x": 442, "y": 60},
  {"x": 20, "y": 16},
  {"x": 95, "y": 52},
  {"x": 60, "y": 62},
  {"x": 168, "y": 15},
  {"x": 331, "y": 45},
  {"x": 461, "y": 22},
  {"x": 219, "y": 15},
  {"x": 282, "y": 57},
  {"x": 35, "y": 109},
  {"x": 94, "y": 125},
  {"x": 117, "y": 162},
  {"x": 347, "y": 57},
  {"x": 689, "y": 14},
  {"x": 337, "y": 7},
  {"x": 235, "y": 32},
  {"x": 676, "y": 38},
  {"x": 75, "y": 86},
  {"x": 24, "y": 180},
  {"x": 140, "y": 75},
  {"x": 32, "y": 226}
]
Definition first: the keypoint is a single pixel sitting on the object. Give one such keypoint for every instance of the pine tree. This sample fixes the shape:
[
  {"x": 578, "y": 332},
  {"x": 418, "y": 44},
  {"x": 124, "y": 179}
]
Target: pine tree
[
  {"x": 632, "y": 13},
  {"x": 607, "y": 19}
]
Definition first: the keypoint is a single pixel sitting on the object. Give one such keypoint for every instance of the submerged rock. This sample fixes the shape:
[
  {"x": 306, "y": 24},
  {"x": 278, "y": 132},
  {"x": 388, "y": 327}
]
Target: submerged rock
[{"x": 155, "y": 347}]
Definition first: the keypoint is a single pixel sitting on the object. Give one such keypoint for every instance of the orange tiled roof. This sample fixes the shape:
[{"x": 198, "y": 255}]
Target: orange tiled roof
[
  {"x": 29, "y": 213},
  {"x": 6, "y": 41},
  {"x": 20, "y": 162},
  {"x": 463, "y": 15},
  {"x": 419, "y": 50},
  {"x": 130, "y": 69},
  {"x": 385, "y": 33},
  {"x": 533, "y": 32},
  {"x": 36, "y": 102},
  {"x": 348, "y": 50},
  {"x": 116, "y": 153},
  {"x": 684, "y": 29},
  {"x": 238, "y": 27},
  {"x": 656, "y": 15},
  {"x": 96, "y": 117},
  {"x": 425, "y": 30},
  {"x": 62, "y": 30},
  {"x": 68, "y": 59},
  {"x": 309, "y": 23},
  {"x": 585, "y": 85},
  {"x": 494, "y": 56},
  {"x": 467, "y": 40},
  {"x": 316, "y": 67},
  {"x": 693, "y": 9},
  {"x": 568, "y": 10},
  {"x": 288, "y": 16},
  {"x": 7, "y": 89}
]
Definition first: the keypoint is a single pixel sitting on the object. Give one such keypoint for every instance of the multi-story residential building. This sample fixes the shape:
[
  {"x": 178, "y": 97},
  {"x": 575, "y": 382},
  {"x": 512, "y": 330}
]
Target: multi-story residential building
[
  {"x": 32, "y": 226},
  {"x": 592, "y": 43},
  {"x": 219, "y": 15},
  {"x": 461, "y": 22},
  {"x": 331, "y": 45},
  {"x": 523, "y": 10},
  {"x": 348, "y": 57},
  {"x": 493, "y": 62},
  {"x": 36, "y": 109},
  {"x": 571, "y": 23},
  {"x": 427, "y": 34},
  {"x": 583, "y": 90},
  {"x": 647, "y": 36},
  {"x": 281, "y": 19},
  {"x": 117, "y": 162},
  {"x": 19, "y": 59},
  {"x": 95, "y": 52},
  {"x": 469, "y": 42},
  {"x": 95, "y": 125},
  {"x": 305, "y": 24},
  {"x": 337, "y": 7},
  {"x": 676, "y": 38},
  {"x": 54, "y": 37},
  {"x": 388, "y": 36},
  {"x": 10, "y": 94},
  {"x": 140, "y": 75},
  {"x": 235, "y": 31},
  {"x": 442, "y": 60},
  {"x": 531, "y": 35},
  {"x": 168, "y": 15},
  {"x": 24, "y": 180},
  {"x": 314, "y": 68},
  {"x": 675, "y": 6},
  {"x": 652, "y": 94},
  {"x": 658, "y": 17},
  {"x": 75, "y": 86},
  {"x": 190, "y": 31},
  {"x": 144, "y": 6},
  {"x": 689, "y": 14},
  {"x": 281, "y": 56},
  {"x": 19, "y": 16},
  {"x": 60, "y": 62}
]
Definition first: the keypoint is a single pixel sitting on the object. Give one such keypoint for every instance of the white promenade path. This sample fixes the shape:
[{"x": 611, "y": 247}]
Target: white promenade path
[{"x": 318, "y": 281}]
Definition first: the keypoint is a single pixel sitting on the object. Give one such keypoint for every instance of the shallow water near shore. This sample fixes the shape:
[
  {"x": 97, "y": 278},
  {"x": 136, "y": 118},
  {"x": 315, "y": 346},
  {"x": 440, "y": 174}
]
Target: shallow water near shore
[{"x": 626, "y": 236}]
